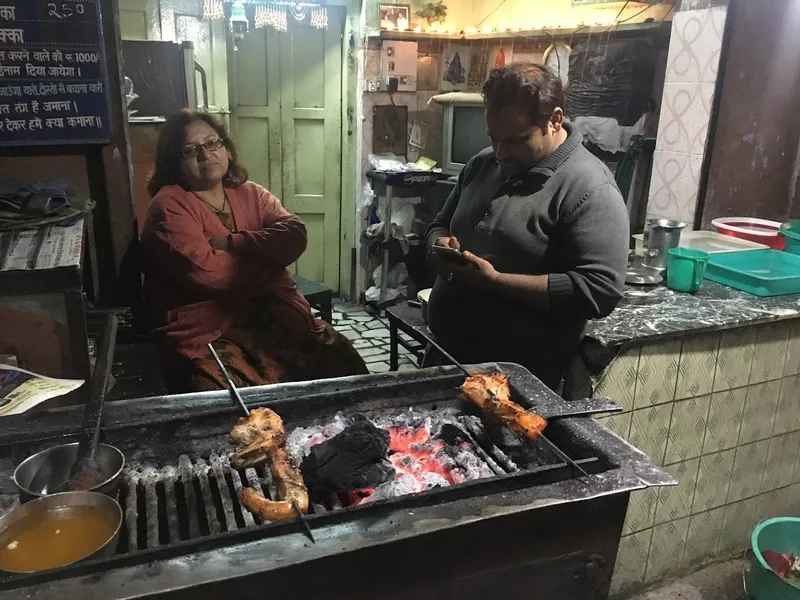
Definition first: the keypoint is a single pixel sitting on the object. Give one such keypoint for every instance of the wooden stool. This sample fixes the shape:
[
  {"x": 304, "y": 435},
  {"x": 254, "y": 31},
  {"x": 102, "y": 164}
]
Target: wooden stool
[
  {"x": 318, "y": 295},
  {"x": 407, "y": 319}
]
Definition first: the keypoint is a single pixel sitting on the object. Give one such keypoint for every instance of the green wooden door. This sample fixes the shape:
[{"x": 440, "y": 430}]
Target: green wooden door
[
  {"x": 256, "y": 107},
  {"x": 286, "y": 116}
]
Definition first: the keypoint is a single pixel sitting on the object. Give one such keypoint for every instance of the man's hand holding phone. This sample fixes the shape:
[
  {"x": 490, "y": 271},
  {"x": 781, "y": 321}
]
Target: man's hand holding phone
[
  {"x": 446, "y": 257},
  {"x": 445, "y": 254}
]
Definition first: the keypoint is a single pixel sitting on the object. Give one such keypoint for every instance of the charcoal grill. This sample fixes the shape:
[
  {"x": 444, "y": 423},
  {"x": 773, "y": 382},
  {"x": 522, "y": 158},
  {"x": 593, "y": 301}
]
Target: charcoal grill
[{"x": 532, "y": 529}]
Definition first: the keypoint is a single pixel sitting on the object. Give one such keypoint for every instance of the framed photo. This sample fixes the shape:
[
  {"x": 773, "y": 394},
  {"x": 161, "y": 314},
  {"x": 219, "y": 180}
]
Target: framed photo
[{"x": 394, "y": 16}]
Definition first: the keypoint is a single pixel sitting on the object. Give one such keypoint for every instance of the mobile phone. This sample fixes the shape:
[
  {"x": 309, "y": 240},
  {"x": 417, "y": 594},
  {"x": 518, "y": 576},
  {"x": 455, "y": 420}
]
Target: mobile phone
[{"x": 450, "y": 254}]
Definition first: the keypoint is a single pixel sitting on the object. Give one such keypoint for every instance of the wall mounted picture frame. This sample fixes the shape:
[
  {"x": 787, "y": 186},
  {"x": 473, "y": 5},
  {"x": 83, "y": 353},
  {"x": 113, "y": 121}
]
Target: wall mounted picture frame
[{"x": 394, "y": 16}]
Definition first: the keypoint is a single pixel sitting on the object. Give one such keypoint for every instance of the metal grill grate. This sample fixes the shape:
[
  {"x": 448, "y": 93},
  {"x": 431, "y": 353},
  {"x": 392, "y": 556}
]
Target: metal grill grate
[
  {"x": 199, "y": 497},
  {"x": 195, "y": 499}
]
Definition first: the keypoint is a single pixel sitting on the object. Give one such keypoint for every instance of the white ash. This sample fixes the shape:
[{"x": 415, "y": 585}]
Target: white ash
[
  {"x": 301, "y": 439},
  {"x": 414, "y": 419},
  {"x": 470, "y": 465},
  {"x": 399, "y": 486},
  {"x": 432, "y": 480}
]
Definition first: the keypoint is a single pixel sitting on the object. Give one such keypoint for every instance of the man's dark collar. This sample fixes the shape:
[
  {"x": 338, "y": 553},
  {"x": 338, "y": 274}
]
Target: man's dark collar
[{"x": 550, "y": 163}]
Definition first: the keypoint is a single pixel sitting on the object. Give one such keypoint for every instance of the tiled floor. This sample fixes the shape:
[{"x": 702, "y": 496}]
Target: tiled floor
[{"x": 370, "y": 336}]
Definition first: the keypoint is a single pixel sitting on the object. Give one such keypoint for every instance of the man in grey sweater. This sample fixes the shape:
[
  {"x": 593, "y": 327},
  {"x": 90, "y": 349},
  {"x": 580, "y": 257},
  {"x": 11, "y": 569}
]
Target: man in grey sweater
[{"x": 543, "y": 230}]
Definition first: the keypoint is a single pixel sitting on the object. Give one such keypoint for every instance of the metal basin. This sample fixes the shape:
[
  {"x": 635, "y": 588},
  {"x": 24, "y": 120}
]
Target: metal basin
[
  {"x": 64, "y": 502},
  {"x": 110, "y": 462}
]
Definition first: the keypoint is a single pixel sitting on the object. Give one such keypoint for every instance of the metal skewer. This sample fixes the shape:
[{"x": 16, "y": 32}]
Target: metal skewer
[
  {"x": 238, "y": 397},
  {"x": 555, "y": 449}
]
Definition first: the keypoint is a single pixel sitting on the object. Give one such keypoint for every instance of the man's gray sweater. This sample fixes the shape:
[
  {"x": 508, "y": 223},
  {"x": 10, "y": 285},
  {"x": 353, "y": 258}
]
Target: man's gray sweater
[{"x": 564, "y": 218}]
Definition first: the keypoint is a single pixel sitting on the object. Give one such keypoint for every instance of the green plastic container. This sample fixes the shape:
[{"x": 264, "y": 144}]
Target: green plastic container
[
  {"x": 758, "y": 272},
  {"x": 685, "y": 269},
  {"x": 780, "y": 535},
  {"x": 791, "y": 231}
]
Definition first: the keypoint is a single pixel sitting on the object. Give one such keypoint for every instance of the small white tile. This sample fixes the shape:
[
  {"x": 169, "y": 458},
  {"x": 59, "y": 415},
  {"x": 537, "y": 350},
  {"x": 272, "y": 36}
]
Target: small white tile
[
  {"x": 685, "y": 113},
  {"x": 682, "y": 61},
  {"x": 674, "y": 184}
]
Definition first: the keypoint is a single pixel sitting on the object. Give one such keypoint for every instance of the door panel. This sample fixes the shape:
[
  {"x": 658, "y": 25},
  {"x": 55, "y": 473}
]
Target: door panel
[
  {"x": 182, "y": 20},
  {"x": 133, "y": 24},
  {"x": 255, "y": 108},
  {"x": 137, "y": 19},
  {"x": 311, "y": 71},
  {"x": 311, "y": 263}
]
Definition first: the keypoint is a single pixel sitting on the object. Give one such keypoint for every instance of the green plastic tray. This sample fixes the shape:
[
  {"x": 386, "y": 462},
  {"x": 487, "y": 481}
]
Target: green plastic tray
[{"x": 759, "y": 272}]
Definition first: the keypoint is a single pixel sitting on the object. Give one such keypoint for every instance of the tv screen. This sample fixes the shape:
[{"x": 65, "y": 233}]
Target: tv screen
[{"x": 469, "y": 133}]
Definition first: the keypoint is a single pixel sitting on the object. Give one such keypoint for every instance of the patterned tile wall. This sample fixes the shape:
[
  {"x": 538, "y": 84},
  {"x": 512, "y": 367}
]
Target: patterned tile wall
[
  {"x": 689, "y": 82},
  {"x": 721, "y": 412}
]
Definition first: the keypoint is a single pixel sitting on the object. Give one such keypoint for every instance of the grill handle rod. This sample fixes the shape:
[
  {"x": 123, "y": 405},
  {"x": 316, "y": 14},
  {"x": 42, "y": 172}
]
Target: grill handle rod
[
  {"x": 234, "y": 390},
  {"x": 555, "y": 449}
]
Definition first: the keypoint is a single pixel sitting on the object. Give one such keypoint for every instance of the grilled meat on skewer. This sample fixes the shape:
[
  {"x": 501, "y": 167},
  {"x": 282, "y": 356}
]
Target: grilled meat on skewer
[
  {"x": 290, "y": 488},
  {"x": 492, "y": 394},
  {"x": 262, "y": 439},
  {"x": 256, "y": 435}
]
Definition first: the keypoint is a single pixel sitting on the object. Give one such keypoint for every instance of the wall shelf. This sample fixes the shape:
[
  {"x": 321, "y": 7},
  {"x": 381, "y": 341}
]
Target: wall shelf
[{"x": 656, "y": 27}]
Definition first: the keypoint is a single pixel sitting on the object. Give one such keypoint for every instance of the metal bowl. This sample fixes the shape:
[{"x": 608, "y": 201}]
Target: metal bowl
[
  {"x": 64, "y": 502},
  {"x": 110, "y": 463},
  {"x": 424, "y": 296}
]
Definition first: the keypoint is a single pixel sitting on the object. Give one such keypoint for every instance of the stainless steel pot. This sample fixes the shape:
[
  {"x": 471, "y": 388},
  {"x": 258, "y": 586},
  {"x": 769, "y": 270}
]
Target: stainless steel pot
[
  {"x": 660, "y": 235},
  {"x": 110, "y": 462},
  {"x": 64, "y": 502}
]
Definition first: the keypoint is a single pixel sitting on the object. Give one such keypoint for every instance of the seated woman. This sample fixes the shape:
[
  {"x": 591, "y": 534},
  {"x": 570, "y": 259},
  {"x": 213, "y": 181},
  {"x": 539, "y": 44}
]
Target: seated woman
[{"x": 216, "y": 249}]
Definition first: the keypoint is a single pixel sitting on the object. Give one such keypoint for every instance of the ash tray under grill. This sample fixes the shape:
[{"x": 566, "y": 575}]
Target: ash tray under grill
[{"x": 641, "y": 298}]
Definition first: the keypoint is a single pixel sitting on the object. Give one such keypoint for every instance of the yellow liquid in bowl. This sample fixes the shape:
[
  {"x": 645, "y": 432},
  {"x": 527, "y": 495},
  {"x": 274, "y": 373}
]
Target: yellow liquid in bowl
[{"x": 54, "y": 538}]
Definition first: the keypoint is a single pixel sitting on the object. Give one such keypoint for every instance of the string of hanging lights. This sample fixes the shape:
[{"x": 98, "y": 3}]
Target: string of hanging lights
[{"x": 267, "y": 13}]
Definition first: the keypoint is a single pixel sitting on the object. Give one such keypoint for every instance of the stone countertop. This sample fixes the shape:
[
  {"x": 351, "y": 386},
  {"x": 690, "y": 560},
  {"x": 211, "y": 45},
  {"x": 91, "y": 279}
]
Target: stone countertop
[{"x": 714, "y": 307}]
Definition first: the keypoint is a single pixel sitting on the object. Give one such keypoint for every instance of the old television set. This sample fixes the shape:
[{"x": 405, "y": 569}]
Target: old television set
[{"x": 463, "y": 129}]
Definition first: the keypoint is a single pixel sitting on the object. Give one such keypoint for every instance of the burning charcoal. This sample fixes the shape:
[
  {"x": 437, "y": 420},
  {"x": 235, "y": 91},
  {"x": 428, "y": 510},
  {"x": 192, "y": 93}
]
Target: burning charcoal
[{"x": 349, "y": 461}]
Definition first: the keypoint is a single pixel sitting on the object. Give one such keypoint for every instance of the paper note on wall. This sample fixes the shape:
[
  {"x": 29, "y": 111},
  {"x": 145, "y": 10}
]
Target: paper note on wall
[{"x": 399, "y": 59}]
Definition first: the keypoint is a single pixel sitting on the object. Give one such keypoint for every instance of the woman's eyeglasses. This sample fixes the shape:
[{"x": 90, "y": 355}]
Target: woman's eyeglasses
[{"x": 210, "y": 146}]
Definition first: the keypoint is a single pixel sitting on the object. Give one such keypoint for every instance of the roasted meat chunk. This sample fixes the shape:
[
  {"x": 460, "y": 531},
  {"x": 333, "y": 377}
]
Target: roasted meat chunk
[
  {"x": 261, "y": 438},
  {"x": 492, "y": 394}
]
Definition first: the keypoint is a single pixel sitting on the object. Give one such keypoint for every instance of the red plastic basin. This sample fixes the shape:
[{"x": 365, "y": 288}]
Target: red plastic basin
[{"x": 749, "y": 228}]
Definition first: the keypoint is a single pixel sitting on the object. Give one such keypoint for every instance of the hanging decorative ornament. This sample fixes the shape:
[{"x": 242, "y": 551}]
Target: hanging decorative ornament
[
  {"x": 319, "y": 17},
  {"x": 213, "y": 9},
  {"x": 274, "y": 14},
  {"x": 261, "y": 16},
  {"x": 238, "y": 22},
  {"x": 299, "y": 11},
  {"x": 277, "y": 16}
]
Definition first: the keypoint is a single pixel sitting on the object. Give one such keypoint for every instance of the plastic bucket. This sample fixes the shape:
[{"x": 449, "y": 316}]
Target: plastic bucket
[
  {"x": 791, "y": 232},
  {"x": 781, "y": 535},
  {"x": 685, "y": 269}
]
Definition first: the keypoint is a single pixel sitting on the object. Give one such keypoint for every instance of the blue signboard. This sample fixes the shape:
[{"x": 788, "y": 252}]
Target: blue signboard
[{"x": 53, "y": 85}]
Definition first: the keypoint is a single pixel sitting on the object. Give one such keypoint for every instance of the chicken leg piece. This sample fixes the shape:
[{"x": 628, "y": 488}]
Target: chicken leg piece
[
  {"x": 261, "y": 439},
  {"x": 290, "y": 489}
]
